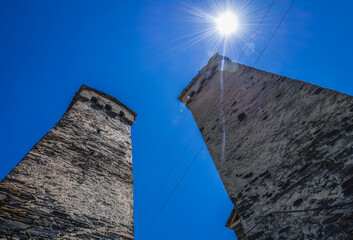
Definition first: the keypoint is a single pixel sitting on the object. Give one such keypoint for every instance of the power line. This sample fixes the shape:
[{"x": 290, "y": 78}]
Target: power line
[
  {"x": 340, "y": 206},
  {"x": 160, "y": 161},
  {"x": 172, "y": 192},
  {"x": 168, "y": 175},
  {"x": 257, "y": 29},
  {"x": 273, "y": 34}
]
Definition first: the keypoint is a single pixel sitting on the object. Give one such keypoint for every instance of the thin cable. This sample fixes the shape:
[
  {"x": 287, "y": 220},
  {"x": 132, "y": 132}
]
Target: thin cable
[
  {"x": 273, "y": 34},
  {"x": 167, "y": 177},
  {"x": 171, "y": 194},
  {"x": 160, "y": 161},
  {"x": 298, "y": 211},
  {"x": 257, "y": 29}
]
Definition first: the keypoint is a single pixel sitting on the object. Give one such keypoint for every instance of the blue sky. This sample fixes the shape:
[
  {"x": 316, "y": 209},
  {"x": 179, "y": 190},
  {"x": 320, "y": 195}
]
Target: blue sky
[{"x": 137, "y": 52}]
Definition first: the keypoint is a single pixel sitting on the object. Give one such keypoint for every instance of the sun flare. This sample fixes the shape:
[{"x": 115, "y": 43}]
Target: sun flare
[
  {"x": 222, "y": 26},
  {"x": 227, "y": 23}
]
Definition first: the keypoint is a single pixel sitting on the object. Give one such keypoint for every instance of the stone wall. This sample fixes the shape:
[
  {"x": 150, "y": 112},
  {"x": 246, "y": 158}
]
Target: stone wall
[
  {"x": 76, "y": 182},
  {"x": 287, "y": 164}
]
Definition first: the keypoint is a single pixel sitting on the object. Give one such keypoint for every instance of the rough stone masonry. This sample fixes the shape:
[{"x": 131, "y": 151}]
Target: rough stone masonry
[
  {"x": 288, "y": 159},
  {"x": 76, "y": 182}
]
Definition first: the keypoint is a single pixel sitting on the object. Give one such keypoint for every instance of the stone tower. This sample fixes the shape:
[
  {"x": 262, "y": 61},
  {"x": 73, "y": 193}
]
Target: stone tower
[
  {"x": 282, "y": 147},
  {"x": 76, "y": 182}
]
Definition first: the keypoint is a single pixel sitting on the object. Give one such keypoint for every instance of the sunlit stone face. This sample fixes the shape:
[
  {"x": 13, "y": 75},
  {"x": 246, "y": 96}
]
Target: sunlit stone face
[{"x": 227, "y": 23}]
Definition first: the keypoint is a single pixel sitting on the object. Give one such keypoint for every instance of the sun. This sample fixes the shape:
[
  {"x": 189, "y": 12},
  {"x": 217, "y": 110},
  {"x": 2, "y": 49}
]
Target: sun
[
  {"x": 221, "y": 24},
  {"x": 227, "y": 23}
]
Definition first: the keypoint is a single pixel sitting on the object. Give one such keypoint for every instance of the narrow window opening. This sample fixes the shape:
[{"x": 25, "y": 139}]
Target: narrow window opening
[{"x": 108, "y": 107}]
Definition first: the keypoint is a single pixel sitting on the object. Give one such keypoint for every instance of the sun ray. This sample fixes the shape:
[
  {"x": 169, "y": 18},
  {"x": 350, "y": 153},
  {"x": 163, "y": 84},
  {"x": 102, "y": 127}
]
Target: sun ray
[{"x": 228, "y": 22}]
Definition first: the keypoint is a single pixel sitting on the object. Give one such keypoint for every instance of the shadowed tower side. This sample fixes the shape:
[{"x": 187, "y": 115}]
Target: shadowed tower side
[
  {"x": 76, "y": 182},
  {"x": 288, "y": 151}
]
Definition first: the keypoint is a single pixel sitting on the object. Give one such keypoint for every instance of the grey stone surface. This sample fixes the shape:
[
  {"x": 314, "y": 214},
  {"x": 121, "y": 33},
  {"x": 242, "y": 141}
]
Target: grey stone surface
[
  {"x": 288, "y": 148},
  {"x": 76, "y": 182}
]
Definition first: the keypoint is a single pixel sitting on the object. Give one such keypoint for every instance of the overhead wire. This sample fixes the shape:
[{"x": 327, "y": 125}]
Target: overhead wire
[
  {"x": 167, "y": 176},
  {"x": 161, "y": 160},
  {"x": 340, "y": 206},
  {"x": 192, "y": 162},
  {"x": 274, "y": 33},
  {"x": 172, "y": 192},
  {"x": 257, "y": 29}
]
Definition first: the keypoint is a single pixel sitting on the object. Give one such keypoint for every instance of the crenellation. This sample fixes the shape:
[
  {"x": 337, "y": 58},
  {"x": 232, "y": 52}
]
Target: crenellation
[
  {"x": 101, "y": 101},
  {"x": 76, "y": 183}
]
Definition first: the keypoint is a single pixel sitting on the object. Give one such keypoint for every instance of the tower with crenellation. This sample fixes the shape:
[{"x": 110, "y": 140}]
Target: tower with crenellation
[{"x": 76, "y": 182}]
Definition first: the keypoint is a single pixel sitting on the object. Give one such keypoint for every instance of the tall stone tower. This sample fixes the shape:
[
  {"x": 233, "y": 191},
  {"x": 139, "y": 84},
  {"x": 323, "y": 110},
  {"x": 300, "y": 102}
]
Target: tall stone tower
[
  {"x": 282, "y": 147},
  {"x": 76, "y": 182}
]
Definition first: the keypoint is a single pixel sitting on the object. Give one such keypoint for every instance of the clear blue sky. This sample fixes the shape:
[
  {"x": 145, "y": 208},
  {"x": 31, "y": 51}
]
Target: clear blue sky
[{"x": 135, "y": 51}]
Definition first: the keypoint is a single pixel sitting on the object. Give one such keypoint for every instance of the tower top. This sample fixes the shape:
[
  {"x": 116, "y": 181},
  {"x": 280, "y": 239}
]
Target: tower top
[
  {"x": 282, "y": 147},
  {"x": 77, "y": 181},
  {"x": 205, "y": 74},
  {"x": 100, "y": 100}
]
